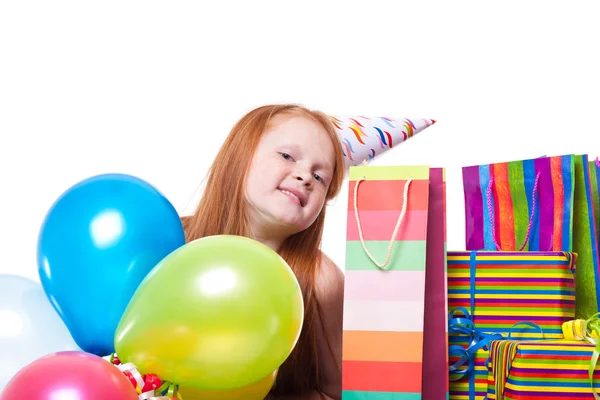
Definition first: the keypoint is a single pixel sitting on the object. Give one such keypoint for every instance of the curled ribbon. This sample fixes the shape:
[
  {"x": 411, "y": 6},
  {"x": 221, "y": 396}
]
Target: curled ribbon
[
  {"x": 589, "y": 331},
  {"x": 477, "y": 340},
  {"x": 147, "y": 386},
  {"x": 580, "y": 329}
]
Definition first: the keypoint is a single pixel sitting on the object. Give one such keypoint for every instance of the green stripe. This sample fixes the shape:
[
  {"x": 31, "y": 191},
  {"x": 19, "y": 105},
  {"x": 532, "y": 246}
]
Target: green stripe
[
  {"x": 383, "y": 173},
  {"x": 549, "y": 311},
  {"x": 552, "y": 378},
  {"x": 407, "y": 255},
  {"x": 518, "y": 195},
  {"x": 595, "y": 197},
  {"x": 360, "y": 395}
]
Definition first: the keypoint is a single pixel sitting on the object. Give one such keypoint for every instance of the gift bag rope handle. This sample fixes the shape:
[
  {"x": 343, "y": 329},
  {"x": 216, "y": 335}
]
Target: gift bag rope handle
[
  {"x": 491, "y": 211},
  {"x": 396, "y": 229}
]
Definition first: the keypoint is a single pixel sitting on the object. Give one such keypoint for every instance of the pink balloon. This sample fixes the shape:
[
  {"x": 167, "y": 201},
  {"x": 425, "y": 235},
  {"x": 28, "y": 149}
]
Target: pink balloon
[{"x": 72, "y": 375}]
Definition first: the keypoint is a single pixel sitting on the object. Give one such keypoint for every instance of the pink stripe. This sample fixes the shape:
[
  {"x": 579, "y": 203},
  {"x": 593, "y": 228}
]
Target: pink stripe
[
  {"x": 379, "y": 225},
  {"x": 388, "y": 285}
]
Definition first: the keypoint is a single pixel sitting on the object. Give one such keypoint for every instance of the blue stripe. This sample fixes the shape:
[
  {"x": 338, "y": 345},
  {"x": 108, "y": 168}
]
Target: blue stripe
[
  {"x": 472, "y": 274},
  {"x": 588, "y": 191},
  {"x": 569, "y": 187},
  {"x": 518, "y": 261},
  {"x": 484, "y": 181},
  {"x": 529, "y": 180},
  {"x": 508, "y": 291},
  {"x": 597, "y": 183}
]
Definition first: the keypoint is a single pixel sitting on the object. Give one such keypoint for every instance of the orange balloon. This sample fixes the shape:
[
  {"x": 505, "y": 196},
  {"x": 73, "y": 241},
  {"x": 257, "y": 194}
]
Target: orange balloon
[{"x": 255, "y": 391}]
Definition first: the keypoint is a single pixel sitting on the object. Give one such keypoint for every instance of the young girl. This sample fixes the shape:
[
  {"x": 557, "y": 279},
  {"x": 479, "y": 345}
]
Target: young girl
[{"x": 270, "y": 181}]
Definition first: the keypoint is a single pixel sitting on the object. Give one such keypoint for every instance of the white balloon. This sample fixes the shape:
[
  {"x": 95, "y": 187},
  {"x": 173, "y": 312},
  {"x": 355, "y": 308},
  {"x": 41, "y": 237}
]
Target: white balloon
[{"x": 29, "y": 326}]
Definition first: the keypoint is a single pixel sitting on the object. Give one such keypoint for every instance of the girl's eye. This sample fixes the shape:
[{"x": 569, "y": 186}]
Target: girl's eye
[
  {"x": 317, "y": 177},
  {"x": 286, "y": 156}
]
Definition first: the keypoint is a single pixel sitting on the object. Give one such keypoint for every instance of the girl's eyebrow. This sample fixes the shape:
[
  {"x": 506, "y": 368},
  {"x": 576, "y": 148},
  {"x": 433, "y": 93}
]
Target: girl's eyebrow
[
  {"x": 291, "y": 146},
  {"x": 326, "y": 166}
]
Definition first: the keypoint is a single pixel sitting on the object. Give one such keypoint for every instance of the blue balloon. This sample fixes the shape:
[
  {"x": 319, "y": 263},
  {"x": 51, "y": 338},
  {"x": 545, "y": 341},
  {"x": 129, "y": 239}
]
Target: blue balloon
[
  {"x": 97, "y": 243},
  {"x": 29, "y": 327}
]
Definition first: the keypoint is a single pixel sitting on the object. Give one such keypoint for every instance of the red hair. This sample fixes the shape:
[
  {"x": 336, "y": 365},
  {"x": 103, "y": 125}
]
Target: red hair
[{"x": 222, "y": 210}]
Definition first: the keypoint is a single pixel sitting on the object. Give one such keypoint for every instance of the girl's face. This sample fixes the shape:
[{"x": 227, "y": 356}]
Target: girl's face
[{"x": 289, "y": 175}]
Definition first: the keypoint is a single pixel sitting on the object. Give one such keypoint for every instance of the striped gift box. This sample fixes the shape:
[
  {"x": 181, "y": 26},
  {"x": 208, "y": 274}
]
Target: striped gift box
[
  {"x": 547, "y": 369},
  {"x": 501, "y": 289},
  {"x": 474, "y": 385}
]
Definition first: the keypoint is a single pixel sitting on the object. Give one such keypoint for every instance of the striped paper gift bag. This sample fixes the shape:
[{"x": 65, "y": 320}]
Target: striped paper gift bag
[
  {"x": 501, "y": 289},
  {"x": 386, "y": 354},
  {"x": 542, "y": 204},
  {"x": 547, "y": 369}
]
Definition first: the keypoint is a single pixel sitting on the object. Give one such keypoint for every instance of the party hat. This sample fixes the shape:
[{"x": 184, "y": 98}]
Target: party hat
[{"x": 363, "y": 138}]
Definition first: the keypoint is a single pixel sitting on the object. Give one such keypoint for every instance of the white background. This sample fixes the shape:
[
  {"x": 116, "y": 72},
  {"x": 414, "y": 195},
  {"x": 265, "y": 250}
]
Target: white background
[{"x": 151, "y": 89}]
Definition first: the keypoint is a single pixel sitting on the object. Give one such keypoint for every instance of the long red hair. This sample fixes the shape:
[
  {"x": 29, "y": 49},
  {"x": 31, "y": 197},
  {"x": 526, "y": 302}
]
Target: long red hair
[{"x": 222, "y": 210}]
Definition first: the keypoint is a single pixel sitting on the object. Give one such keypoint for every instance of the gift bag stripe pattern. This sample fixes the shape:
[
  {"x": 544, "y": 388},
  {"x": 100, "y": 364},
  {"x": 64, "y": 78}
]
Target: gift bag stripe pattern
[
  {"x": 383, "y": 173},
  {"x": 556, "y": 369},
  {"x": 505, "y": 206},
  {"x": 365, "y": 395},
  {"x": 382, "y": 329},
  {"x": 366, "y": 376},
  {"x": 407, "y": 255},
  {"x": 511, "y": 203},
  {"x": 514, "y": 176},
  {"x": 377, "y": 225},
  {"x": 511, "y": 287},
  {"x": 391, "y": 286},
  {"x": 474, "y": 206},
  {"x": 381, "y": 315},
  {"x": 383, "y": 196},
  {"x": 383, "y": 346}
]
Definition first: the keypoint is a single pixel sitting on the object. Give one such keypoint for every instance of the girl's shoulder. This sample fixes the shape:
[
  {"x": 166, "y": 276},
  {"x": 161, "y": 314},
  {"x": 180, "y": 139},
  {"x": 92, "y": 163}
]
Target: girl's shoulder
[
  {"x": 330, "y": 280},
  {"x": 330, "y": 292}
]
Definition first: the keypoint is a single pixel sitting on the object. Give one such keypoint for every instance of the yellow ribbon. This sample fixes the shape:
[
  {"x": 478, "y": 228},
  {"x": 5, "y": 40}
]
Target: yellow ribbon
[
  {"x": 577, "y": 329},
  {"x": 586, "y": 330}
]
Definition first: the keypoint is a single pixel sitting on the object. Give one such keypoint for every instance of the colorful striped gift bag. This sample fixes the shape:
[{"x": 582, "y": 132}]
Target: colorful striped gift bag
[
  {"x": 500, "y": 289},
  {"x": 395, "y": 322},
  {"x": 542, "y": 204},
  {"x": 507, "y": 202},
  {"x": 546, "y": 369}
]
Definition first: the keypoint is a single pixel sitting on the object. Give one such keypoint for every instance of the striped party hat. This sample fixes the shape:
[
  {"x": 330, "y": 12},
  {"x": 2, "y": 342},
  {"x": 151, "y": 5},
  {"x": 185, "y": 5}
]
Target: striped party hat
[{"x": 363, "y": 138}]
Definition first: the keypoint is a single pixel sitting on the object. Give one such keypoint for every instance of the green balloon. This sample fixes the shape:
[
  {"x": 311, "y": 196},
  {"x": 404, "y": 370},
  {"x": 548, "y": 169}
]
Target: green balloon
[{"x": 218, "y": 313}]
